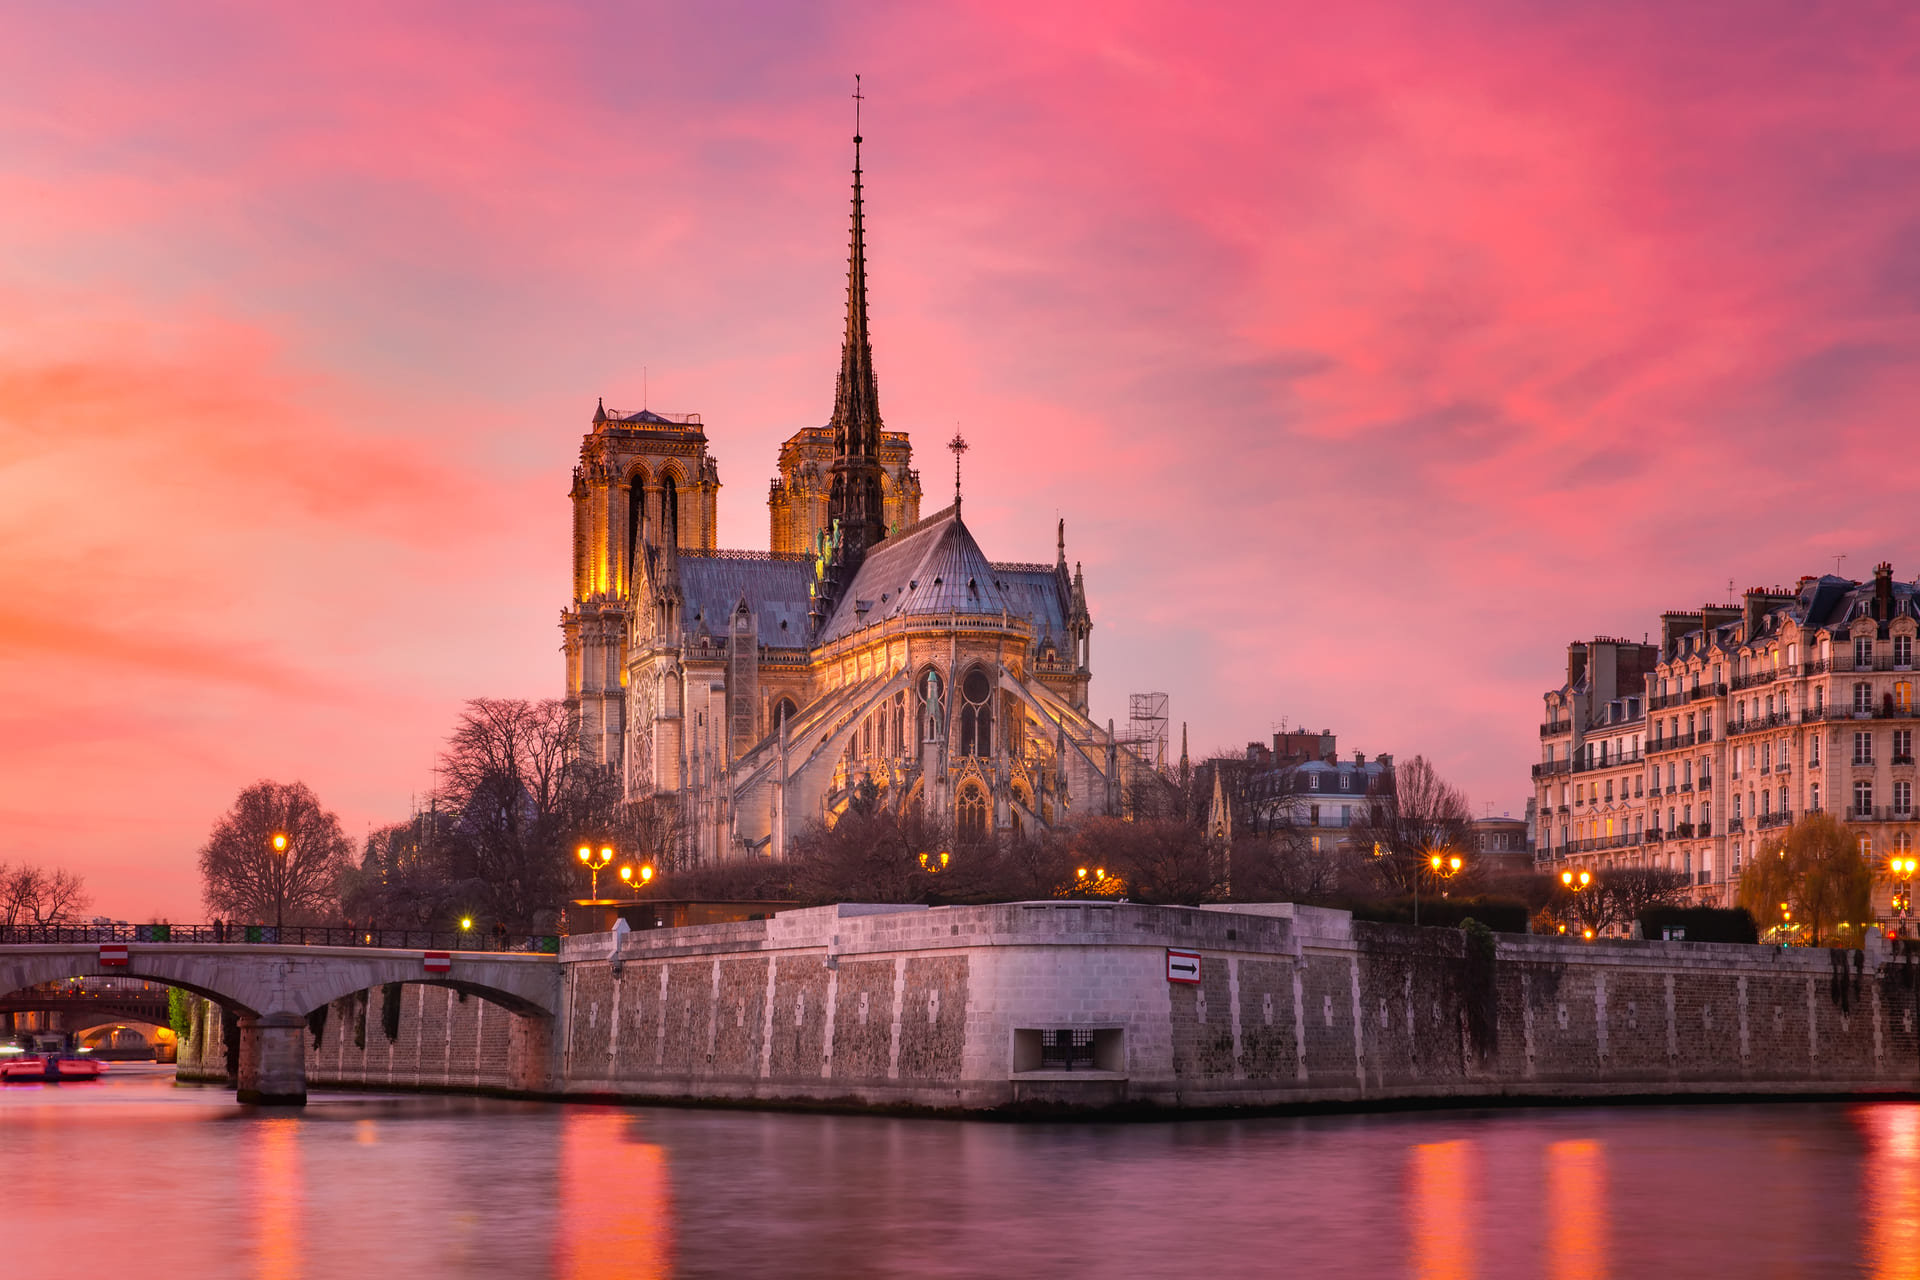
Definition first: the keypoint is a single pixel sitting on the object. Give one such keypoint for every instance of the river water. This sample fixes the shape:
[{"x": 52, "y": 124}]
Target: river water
[{"x": 134, "y": 1174}]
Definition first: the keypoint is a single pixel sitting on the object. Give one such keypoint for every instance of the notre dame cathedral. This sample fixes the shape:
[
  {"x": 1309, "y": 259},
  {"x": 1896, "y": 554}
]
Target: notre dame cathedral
[{"x": 758, "y": 689}]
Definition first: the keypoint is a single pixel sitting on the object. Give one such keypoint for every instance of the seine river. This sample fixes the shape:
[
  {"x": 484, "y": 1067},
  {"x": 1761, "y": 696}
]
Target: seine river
[{"x": 136, "y": 1176}]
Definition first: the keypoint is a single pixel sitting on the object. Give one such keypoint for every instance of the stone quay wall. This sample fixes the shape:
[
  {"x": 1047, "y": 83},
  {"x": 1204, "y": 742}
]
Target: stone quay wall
[
  {"x": 944, "y": 1008},
  {"x": 443, "y": 1040}
]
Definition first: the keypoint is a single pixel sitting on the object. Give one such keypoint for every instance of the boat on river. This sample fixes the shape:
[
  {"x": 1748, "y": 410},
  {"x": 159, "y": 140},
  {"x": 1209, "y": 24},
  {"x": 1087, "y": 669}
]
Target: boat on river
[
  {"x": 47, "y": 1058},
  {"x": 50, "y": 1067}
]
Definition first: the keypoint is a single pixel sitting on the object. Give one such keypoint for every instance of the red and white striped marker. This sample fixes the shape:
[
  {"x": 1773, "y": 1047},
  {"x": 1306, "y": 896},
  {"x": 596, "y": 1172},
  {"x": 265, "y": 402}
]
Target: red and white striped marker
[
  {"x": 113, "y": 953},
  {"x": 439, "y": 961}
]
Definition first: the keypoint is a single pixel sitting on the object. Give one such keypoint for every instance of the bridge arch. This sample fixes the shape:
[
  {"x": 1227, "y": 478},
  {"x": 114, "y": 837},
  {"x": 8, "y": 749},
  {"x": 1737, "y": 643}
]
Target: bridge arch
[
  {"x": 270, "y": 990},
  {"x": 57, "y": 964}
]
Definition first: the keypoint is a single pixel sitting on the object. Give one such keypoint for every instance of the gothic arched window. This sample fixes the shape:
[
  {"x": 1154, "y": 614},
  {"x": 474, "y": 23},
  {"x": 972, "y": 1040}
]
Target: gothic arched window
[
  {"x": 783, "y": 711},
  {"x": 900, "y": 723},
  {"x": 972, "y": 813},
  {"x": 976, "y": 716}
]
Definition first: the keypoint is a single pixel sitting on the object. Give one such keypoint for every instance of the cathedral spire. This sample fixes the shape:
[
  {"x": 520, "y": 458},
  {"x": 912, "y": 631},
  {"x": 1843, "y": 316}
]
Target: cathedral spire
[{"x": 855, "y": 502}]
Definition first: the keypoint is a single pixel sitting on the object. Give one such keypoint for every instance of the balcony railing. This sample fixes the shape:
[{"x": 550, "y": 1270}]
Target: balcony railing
[
  {"x": 1556, "y": 726},
  {"x": 1662, "y": 701},
  {"x": 1878, "y": 813},
  {"x": 1754, "y": 678},
  {"x": 1843, "y": 662},
  {"x": 1548, "y": 768},
  {"x": 1673, "y": 743},
  {"x": 1781, "y": 818},
  {"x": 1735, "y": 826},
  {"x": 1903, "y": 759}
]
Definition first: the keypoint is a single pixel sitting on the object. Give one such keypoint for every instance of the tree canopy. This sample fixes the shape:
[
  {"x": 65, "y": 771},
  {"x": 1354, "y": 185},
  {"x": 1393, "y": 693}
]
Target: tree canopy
[{"x": 243, "y": 875}]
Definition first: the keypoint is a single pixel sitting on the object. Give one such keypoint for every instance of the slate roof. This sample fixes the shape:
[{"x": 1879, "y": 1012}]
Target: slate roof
[
  {"x": 775, "y": 589},
  {"x": 931, "y": 568},
  {"x": 1036, "y": 593}
]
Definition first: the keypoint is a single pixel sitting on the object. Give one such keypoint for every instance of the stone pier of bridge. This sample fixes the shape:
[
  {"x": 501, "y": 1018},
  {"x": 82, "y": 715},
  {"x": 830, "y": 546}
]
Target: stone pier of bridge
[{"x": 272, "y": 990}]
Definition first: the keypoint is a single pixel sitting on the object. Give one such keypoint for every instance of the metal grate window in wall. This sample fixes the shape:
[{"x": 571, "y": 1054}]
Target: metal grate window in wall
[{"x": 1066, "y": 1050}]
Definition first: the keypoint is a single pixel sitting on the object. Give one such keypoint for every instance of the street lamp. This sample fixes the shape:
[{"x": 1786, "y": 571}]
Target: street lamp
[
  {"x": 279, "y": 844},
  {"x": 593, "y": 862},
  {"x": 1903, "y": 869},
  {"x": 626, "y": 876},
  {"x": 1443, "y": 868},
  {"x": 1574, "y": 882}
]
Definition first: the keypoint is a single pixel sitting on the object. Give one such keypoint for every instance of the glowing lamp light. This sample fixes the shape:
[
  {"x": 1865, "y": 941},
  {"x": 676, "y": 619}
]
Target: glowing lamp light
[
  {"x": 466, "y": 922},
  {"x": 646, "y": 875},
  {"x": 586, "y": 854},
  {"x": 279, "y": 842}
]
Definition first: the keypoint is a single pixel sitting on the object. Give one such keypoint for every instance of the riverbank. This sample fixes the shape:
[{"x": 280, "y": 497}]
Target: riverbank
[{"x": 1047, "y": 1008}]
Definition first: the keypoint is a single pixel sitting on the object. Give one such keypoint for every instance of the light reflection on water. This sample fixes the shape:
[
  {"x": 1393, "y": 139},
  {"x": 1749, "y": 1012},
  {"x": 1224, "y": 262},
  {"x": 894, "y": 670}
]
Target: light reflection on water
[{"x": 366, "y": 1185}]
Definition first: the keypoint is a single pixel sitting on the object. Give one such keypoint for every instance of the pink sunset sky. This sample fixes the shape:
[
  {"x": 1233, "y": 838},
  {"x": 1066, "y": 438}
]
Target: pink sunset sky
[{"x": 1371, "y": 352}]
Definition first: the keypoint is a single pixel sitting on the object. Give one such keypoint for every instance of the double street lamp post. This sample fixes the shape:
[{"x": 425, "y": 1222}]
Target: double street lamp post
[
  {"x": 1575, "y": 881},
  {"x": 594, "y": 862},
  {"x": 1444, "y": 867}
]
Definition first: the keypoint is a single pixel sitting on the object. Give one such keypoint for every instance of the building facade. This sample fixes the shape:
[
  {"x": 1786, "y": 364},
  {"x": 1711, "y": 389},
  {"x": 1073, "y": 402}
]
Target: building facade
[
  {"x": 867, "y": 646},
  {"x": 1689, "y": 754}
]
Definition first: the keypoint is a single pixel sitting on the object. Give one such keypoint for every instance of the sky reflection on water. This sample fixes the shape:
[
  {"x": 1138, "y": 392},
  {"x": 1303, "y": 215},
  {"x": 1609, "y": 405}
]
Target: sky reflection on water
[{"x": 373, "y": 1185}]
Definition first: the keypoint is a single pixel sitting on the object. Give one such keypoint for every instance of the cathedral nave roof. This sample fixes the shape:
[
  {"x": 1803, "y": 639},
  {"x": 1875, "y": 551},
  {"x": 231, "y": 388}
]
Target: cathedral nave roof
[{"x": 775, "y": 588}]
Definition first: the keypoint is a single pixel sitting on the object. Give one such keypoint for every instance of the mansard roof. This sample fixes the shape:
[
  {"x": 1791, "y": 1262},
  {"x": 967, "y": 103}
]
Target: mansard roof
[
  {"x": 712, "y": 583},
  {"x": 934, "y": 567}
]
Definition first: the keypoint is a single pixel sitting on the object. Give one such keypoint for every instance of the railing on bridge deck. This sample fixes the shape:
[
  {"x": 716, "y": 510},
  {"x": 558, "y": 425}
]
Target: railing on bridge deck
[{"x": 286, "y": 936}]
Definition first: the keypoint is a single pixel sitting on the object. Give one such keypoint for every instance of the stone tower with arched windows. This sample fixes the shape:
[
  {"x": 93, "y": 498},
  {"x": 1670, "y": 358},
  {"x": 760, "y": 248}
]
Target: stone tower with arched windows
[{"x": 759, "y": 689}]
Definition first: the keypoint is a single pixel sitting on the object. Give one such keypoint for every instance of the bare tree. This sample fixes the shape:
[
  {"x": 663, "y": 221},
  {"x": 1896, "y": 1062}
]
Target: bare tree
[
  {"x": 878, "y": 855},
  {"x": 1617, "y": 896},
  {"x": 1411, "y": 818},
  {"x": 1157, "y": 860},
  {"x": 514, "y": 775},
  {"x": 275, "y": 855},
  {"x": 35, "y": 896}
]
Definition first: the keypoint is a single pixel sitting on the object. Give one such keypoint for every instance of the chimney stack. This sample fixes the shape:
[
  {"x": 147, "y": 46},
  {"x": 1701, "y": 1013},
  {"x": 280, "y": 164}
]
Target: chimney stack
[
  {"x": 1576, "y": 663},
  {"x": 1883, "y": 591}
]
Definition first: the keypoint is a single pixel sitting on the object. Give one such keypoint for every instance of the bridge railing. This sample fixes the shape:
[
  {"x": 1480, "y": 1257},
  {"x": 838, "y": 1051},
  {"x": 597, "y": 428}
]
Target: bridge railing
[{"x": 287, "y": 936}]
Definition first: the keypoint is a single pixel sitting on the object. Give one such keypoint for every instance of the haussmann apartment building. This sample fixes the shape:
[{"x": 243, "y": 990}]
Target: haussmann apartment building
[{"x": 1689, "y": 753}]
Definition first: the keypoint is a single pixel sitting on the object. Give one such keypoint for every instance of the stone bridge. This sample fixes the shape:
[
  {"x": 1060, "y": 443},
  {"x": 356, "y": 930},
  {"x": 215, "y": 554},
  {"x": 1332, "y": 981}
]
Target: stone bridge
[
  {"x": 91, "y": 1002},
  {"x": 272, "y": 989}
]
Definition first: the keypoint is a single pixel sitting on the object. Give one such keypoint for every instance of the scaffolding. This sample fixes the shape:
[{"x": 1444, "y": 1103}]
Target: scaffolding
[{"x": 1146, "y": 733}]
